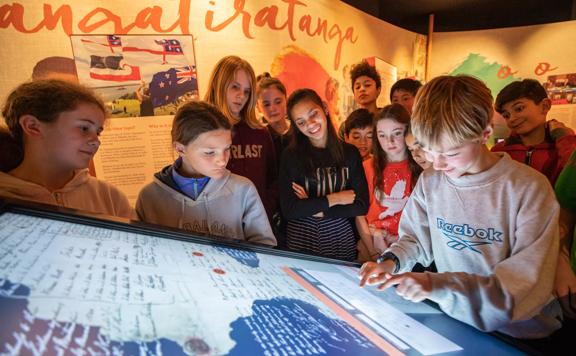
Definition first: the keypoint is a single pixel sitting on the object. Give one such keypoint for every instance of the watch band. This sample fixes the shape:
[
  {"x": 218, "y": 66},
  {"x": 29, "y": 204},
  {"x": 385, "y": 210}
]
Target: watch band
[{"x": 392, "y": 257}]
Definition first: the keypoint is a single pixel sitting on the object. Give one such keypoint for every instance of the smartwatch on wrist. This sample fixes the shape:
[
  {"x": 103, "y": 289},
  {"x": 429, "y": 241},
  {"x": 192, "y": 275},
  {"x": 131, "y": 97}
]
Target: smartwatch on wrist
[{"x": 389, "y": 256}]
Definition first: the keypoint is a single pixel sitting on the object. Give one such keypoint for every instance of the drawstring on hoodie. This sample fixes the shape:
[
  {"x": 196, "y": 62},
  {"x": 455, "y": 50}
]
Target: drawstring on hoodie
[
  {"x": 182, "y": 209},
  {"x": 205, "y": 198}
]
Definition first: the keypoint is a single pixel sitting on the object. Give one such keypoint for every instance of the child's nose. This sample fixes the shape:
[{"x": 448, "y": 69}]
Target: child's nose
[
  {"x": 439, "y": 162},
  {"x": 222, "y": 160},
  {"x": 95, "y": 141},
  {"x": 309, "y": 121}
]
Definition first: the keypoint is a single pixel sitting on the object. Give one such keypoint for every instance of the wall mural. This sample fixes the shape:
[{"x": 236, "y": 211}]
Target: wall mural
[
  {"x": 499, "y": 56},
  {"x": 561, "y": 88}
]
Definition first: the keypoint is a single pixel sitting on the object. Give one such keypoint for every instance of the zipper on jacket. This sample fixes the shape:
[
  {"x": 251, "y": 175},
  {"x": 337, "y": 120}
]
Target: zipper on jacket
[
  {"x": 58, "y": 198},
  {"x": 528, "y": 158}
]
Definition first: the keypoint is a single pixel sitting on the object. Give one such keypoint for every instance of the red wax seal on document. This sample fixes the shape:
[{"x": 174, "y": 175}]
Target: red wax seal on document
[{"x": 219, "y": 271}]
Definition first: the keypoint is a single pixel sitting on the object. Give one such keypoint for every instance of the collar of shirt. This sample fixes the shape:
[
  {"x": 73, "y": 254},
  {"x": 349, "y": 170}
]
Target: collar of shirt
[{"x": 192, "y": 187}]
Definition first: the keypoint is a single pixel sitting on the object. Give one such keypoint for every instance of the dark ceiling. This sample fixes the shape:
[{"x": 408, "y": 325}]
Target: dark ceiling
[{"x": 465, "y": 15}]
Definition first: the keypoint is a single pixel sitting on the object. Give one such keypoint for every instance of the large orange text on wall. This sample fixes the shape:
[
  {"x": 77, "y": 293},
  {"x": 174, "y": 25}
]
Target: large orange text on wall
[
  {"x": 151, "y": 18},
  {"x": 268, "y": 17}
]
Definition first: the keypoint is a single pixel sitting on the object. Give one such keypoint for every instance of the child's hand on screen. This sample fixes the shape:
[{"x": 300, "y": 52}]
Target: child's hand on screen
[
  {"x": 373, "y": 273},
  {"x": 411, "y": 286}
]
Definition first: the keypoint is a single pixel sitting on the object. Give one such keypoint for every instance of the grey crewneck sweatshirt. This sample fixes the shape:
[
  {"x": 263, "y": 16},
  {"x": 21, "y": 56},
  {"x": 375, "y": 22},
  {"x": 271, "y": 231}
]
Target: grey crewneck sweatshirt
[{"x": 494, "y": 238}]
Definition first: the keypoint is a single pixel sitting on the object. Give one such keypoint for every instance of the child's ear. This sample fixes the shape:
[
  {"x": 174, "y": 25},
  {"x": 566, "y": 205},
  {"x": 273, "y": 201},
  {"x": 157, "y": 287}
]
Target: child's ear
[
  {"x": 180, "y": 148},
  {"x": 546, "y": 104},
  {"x": 486, "y": 134},
  {"x": 325, "y": 107},
  {"x": 30, "y": 125}
]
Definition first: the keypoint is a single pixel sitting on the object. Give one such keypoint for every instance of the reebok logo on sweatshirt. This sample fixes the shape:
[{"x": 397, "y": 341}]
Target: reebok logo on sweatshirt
[{"x": 464, "y": 236}]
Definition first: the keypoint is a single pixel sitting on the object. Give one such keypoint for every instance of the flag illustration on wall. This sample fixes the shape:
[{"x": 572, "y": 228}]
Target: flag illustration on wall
[
  {"x": 107, "y": 60},
  {"x": 164, "y": 47},
  {"x": 112, "y": 68},
  {"x": 112, "y": 42},
  {"x": 167, "y": 86}
]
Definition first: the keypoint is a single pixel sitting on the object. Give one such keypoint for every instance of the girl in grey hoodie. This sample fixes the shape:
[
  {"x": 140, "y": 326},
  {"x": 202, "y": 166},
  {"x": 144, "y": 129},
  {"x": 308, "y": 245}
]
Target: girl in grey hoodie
[{"x": 197, "y": 193}]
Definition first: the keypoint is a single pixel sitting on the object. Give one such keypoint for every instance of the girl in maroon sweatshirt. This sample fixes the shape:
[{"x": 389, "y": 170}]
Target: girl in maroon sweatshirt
[{"x": 232, "y": 90}]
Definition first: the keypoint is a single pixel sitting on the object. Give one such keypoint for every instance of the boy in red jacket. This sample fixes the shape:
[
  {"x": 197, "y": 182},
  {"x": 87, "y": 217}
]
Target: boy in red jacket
[{"x": 543, "y": 145}]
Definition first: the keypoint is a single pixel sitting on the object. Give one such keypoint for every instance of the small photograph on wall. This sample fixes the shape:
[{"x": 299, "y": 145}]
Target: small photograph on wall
[
  {"x": 346, "y": 92},
  {"x": 138, "y": 75},
  {"x": 388, "y": 76},
  {"x": 561, "y": 88}
]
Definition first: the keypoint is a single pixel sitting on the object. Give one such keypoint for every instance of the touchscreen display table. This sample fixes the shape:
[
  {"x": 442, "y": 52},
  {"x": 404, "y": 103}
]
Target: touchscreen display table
[{"x": 76, "y": 288}]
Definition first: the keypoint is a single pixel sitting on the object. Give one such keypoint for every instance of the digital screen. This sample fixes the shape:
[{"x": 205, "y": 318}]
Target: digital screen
[{"x": 74, "y": 288}]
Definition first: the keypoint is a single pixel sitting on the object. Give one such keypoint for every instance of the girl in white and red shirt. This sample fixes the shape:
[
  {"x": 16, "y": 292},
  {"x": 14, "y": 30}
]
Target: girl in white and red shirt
[{"x": 391, "y": 174}]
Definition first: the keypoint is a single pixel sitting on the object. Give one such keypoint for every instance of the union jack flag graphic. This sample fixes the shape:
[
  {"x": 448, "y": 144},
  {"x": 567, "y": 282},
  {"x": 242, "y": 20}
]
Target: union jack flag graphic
[
  {"x": 167, "y": 86},
  {"x": 186, "y": 73},
  {"x": 170, "y": 46}
]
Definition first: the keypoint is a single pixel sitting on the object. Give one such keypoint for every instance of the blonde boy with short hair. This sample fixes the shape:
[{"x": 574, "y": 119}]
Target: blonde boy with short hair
[{"x": 489, "y": 222}]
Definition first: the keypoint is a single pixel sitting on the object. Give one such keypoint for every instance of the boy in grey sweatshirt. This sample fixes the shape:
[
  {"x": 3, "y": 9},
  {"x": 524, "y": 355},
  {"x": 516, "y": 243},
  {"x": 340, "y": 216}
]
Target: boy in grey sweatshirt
[{"x": 489, "y": 223}]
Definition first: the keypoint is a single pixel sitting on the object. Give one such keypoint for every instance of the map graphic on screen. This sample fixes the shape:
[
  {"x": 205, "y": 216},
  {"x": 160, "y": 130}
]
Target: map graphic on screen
[{"x": 70, "y": 288}]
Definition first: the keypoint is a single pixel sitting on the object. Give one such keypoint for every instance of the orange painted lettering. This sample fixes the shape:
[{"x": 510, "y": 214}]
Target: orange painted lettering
[
  {"x": 505, "y": 72},
  {"x": 543, "y": 68},
  {"x": 85, "y": 26},
  {"x": 268, "y": 17},
  {"x": 14, "y": 15},
  {"x": 150, "y": 17},
  {"x": 321, "y": 26},
  {"x": 239, "y": 7}
]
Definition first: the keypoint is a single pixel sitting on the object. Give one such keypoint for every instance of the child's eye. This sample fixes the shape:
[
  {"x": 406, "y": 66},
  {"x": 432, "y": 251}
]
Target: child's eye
[
  {"x": 519, "y": 108},
  {"x": 209, "y": 153},
  {"x": 299, "y": 122}
]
